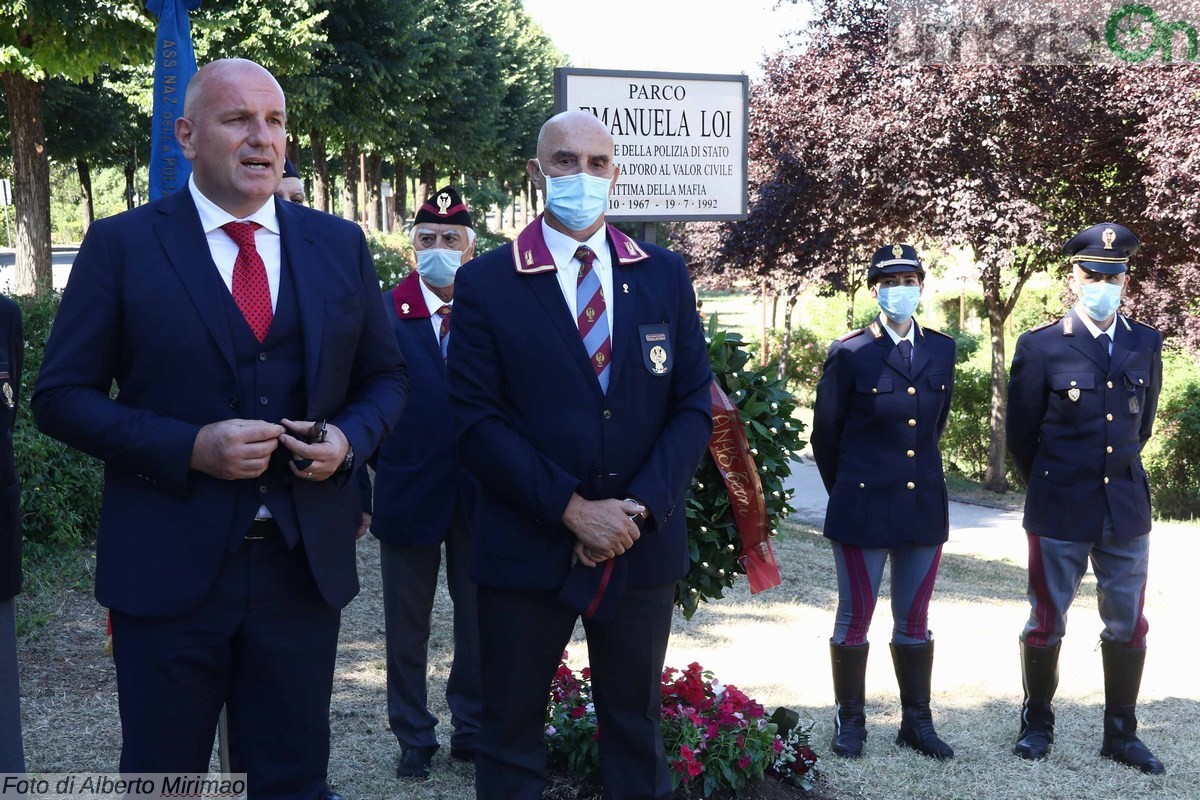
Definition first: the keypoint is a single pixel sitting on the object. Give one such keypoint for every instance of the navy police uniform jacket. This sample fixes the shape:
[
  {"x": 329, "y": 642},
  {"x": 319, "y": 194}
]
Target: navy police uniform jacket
[
  {"x": 875, "y": 437},
  {"x": 534, "y": 425},
  {"x": 416, "y": 474},
  {"x": 1076, "y": 427},
  {"x": 12, "y": 358},
  {"x": 145, "y": 307}
]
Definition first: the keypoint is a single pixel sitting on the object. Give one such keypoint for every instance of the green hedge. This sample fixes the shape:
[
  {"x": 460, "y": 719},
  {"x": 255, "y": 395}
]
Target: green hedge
[
  {"x": 1172, "y": 457},
  {"x": 60, "y": 486}
]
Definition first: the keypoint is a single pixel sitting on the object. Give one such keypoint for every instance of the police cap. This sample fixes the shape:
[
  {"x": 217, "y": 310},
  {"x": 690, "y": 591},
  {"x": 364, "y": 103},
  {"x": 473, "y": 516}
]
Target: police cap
[
  {"x": 445, "y": 207},
  {"x": 894, "y": 258},
  {"x": 1104, "y": 248}
]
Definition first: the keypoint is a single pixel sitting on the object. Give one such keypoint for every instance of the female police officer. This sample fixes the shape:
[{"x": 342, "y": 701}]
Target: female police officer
[{"x": 882, "y": 404}]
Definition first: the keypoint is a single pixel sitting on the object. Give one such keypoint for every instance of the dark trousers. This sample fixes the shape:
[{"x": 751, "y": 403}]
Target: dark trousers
[
  {"x": 263, "y": 643},
  {"x": 522, "y": 637},
  {"x": 12, "y": 753},
  {"x": 409, "y": 585}
]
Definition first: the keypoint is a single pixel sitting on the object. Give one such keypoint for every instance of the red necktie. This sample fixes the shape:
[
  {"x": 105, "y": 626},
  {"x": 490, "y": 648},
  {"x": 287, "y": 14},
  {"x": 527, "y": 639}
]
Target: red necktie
[
  {"x": 590, "y": 316},
  {"x": 444, "y": 331},
  {"x": 251, "y": 291}
]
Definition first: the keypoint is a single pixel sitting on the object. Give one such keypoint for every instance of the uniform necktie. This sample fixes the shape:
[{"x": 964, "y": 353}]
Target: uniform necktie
[
  {"x": 591, "y": 316},
  {"x": 1105, "y": 344},
  {"x": 251, "y": 291},
  {"x": 444, "y": 330},
  {"x": 906, "y": 353}
]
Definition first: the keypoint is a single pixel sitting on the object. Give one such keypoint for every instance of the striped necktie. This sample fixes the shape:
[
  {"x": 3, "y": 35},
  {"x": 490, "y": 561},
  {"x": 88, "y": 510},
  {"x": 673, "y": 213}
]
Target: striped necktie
[
  {"x": 592, "y": 317},
  {"x": 444, "y": 330}
]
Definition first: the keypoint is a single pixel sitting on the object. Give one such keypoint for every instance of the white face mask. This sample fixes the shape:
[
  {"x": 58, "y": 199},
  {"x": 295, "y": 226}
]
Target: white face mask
[
  {"x": 1099, "y": 300},
  {"x": 576, "y": 200},
  {"x": 437, "y": 266}
]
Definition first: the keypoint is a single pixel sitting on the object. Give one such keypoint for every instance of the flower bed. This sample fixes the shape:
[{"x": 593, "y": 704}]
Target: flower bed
[{"x": 718, "y": 741}]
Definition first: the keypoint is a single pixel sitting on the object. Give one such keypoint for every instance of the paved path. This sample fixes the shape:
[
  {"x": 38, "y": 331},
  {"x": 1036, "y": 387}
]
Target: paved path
[{"x": 975, "y": 529}]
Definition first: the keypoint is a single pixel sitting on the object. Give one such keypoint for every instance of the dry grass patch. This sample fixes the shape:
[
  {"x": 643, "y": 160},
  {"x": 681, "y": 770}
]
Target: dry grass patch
[{"x": 773, "y": 646}]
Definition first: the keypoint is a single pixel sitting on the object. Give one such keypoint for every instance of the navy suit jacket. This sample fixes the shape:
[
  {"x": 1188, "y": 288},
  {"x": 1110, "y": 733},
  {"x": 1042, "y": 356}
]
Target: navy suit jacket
[
  {"x": 144, "y": 308},
  {"x": 416, "y": 475},
  {"x": 12, "y": 358},
  {"x": 1076, "y": 428},
  {"x": 534, "y": 425},
  {"x": 875, "y": 433}
]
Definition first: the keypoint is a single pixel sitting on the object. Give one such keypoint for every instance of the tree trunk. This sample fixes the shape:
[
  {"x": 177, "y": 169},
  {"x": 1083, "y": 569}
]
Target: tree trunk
[
  {"x": 350, "y": 182},
  {"x": 320, "y": 195},
  {"x": 374, "y": 176},
  {"x": 130, "y": 177},
  {"x": 995, "y": 479},
  {"x": 87, "y": 211},
  {"x": 513, "y": 200},
  {"x": 401, "y": 194},
  {"x": 426, "y": 181},
  {"x": 364, "y": 190},
  {"x": 785, "y": 349},
  {"x": 31, "y": 183},
  {"x": 525, "y": 188},
  {"x": 774, "y": 308}
]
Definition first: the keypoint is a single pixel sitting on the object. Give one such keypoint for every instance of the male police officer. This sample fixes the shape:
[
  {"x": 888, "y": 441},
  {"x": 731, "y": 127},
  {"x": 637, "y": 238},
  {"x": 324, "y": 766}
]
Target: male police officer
[
  {"x": 1082, "y": 395},
  {"x": 417, "y": 499}
]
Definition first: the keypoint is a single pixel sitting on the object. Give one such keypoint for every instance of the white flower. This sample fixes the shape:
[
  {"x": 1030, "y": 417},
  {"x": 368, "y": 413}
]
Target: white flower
[
  {"x": 550, "y": 730},
  {"x": 591, "y": 708}
]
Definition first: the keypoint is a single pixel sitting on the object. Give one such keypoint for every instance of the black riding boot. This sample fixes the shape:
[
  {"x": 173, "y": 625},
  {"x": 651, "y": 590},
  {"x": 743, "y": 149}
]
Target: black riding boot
[
  {"x": 1122, "y": 682},
  {"x": 850, "y": 690},
  {"x": 914, "y": 668},
  {"x": 1039, "y": 676}
]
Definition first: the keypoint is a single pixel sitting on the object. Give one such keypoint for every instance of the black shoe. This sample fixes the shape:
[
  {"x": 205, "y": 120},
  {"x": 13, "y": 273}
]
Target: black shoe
[
  {"x": 415, "y": 762},
  {"x": 463, "y": 753}
]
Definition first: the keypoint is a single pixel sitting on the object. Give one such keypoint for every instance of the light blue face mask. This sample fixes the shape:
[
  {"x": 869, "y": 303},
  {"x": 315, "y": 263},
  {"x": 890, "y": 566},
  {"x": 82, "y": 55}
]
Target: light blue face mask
[
  {"x": 576, "y": 200},
  {"x": 899, "y": 302},
  {"x": 1100, "y": 300},
  {"x": 437, "y": 266}
]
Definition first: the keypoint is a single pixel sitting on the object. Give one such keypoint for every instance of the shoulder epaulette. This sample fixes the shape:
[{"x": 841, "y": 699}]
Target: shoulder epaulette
[
  {"x": 850, "y": 335},
  {"x": 937, "y": 333},
  {"x": 1043, "y": 326},
  {"x": 1128, "y": 320}
]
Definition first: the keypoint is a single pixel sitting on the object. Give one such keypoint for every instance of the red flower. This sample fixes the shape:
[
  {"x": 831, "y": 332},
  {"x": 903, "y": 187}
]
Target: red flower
[
  {"x": 743, "y": 762},
  {"x": 577, "y": 712}
]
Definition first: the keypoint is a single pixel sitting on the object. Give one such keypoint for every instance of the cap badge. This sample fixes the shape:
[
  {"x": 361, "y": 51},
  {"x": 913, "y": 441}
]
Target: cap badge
[
  {"x": 1108, "y": 237},
  {"x": 897, "y": 251},
  {"x": 443, "y": 203}
]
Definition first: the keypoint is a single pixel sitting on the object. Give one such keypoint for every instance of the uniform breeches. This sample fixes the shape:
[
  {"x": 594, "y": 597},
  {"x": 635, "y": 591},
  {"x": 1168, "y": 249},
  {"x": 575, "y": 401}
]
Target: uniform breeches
[
  {"x": 1056, "y": 568},
  {"x": 859, "y": 571}
]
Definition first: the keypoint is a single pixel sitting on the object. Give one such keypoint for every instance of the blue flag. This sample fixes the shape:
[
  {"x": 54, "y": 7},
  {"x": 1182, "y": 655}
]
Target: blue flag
[{"x": 174, "y": 66}]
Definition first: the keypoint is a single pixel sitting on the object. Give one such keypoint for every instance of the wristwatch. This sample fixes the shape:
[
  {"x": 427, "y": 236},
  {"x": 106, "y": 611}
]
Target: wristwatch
[{"x": 348, "y": 461}]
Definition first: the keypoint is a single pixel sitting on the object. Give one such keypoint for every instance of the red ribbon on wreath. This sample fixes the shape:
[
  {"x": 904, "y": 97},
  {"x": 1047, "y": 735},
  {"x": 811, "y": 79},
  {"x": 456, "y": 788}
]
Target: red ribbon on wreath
[{"x": 731, "y": 453}]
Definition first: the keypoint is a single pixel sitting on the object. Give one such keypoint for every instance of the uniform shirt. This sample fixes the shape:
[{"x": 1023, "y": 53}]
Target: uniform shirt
[
  {"x": 897, "y": 338},
  {"x": 434, "y": 304},
  {"x": 1093, "y": 329},
  {"x": 223, "y": 249},
  {"x": 562, "y": 248}
]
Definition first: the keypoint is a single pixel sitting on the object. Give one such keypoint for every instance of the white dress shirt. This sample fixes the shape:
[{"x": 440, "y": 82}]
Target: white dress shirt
[
  {"x": 562, "y": 249},
  {"x": 223, "y": 249},
  {"x": 1094, "y": 329}
]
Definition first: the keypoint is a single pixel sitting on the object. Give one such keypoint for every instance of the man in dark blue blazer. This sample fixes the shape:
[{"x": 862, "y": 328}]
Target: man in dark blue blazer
[
  {"x": 1082, "y": 394},
  {"x": 251, "y": 359},
  {"x": 580, "y": 382},
  {"x": 12, "y": 359},
  {"x": 418, "y": 507}
]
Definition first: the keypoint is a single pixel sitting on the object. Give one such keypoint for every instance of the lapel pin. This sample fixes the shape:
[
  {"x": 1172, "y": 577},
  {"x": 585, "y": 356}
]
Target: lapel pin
[
  {"x": 404, "y": 308},
  {"x": 625, "y": 288}
]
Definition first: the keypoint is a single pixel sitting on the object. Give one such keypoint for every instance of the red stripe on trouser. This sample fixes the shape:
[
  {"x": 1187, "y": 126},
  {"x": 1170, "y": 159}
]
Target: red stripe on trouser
[
  {"x": 1142, "y": 626},
  {"x": 918, "y": 614},
  {"x": 591, "y": 609},
  {"x": 1043, "y": 607},
  {"x": 862, "y": 596}
]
